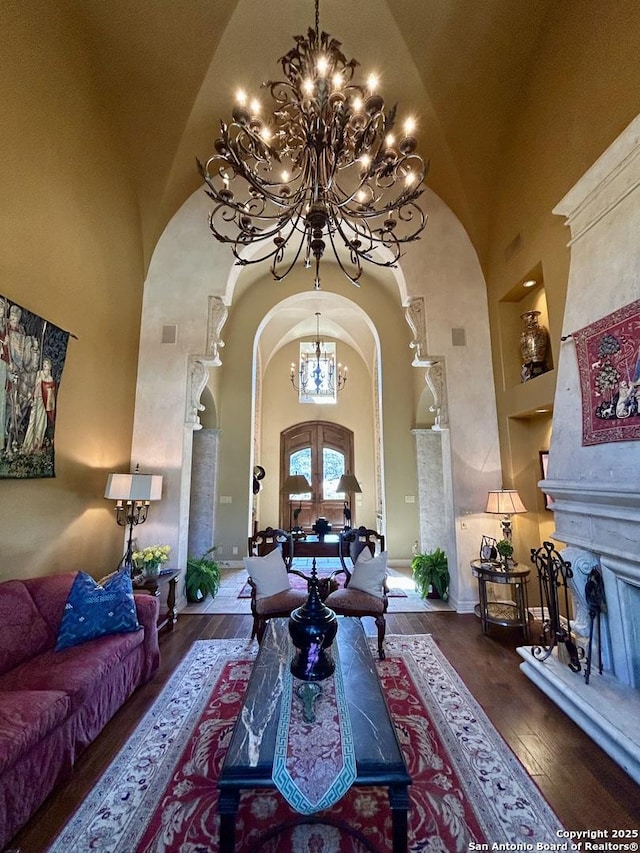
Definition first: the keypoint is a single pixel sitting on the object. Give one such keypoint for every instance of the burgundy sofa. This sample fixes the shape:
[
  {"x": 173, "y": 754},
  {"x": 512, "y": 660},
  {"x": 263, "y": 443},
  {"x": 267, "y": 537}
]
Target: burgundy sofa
[{"x": 54, "y": 703}]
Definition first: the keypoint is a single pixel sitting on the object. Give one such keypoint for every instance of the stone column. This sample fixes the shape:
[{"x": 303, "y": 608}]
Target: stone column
[
  {"x": 204, "y": 488},
  {"x": 430, "y": 489}
]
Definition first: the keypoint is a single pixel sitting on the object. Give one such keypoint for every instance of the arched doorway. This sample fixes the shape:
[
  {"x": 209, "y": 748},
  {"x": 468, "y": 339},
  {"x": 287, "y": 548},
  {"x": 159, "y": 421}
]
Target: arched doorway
[{"x": 323, "y": 452}]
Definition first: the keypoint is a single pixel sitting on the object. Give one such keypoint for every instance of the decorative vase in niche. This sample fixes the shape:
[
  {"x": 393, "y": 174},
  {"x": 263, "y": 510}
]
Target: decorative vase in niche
[
  {"x": 534, "y": 342},
  {"x": 313, "y": 628}
]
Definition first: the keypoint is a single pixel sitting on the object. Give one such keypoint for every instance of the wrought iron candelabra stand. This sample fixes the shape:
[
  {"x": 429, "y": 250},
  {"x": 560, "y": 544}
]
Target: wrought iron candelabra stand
[
  {"x": 553, "y": 573},
  {"x": 130, "y": 514}
]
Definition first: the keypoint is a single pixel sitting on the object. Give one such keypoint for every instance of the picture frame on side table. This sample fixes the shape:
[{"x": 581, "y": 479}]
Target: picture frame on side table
[
  {"x": 488, "y": 550},
  {"x": 544, "y": 464}
]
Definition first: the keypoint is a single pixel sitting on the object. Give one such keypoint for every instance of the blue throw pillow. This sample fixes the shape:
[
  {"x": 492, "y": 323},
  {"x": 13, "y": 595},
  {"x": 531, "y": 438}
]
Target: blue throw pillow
[{"x": 93, "y": 610}]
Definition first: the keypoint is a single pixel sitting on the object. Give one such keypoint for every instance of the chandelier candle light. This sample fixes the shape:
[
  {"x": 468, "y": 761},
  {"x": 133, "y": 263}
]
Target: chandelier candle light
[
  {"x": 327, "y": 165},
  {"x": 317, "y": 371}
]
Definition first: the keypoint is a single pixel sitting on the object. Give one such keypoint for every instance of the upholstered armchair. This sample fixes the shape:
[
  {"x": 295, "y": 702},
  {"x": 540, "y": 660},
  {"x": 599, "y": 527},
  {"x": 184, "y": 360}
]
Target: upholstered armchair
[
  {"x": 365, "y": 591},
  {"x": 269, "y": 567}
]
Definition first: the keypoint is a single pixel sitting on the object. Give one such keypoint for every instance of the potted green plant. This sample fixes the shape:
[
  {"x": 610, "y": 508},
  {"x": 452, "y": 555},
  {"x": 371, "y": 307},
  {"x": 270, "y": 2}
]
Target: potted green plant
[
  {"x": 505, "y": 549},
  {"x": 431, "y": 574},
  {"x": 202, "y": 577}
]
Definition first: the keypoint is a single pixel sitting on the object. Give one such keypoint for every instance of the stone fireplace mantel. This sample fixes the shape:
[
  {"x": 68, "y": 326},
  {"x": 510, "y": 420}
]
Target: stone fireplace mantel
[
  {"x": 596, "y": 488},
  {"x": 599, "y": 517}
]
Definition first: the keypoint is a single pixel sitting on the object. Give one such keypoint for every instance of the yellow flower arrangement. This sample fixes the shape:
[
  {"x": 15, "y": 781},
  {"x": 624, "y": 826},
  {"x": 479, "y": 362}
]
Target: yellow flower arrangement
[{"x": 151, "y": 558}]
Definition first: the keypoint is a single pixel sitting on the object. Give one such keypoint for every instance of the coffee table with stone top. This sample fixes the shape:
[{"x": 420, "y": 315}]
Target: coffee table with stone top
[{"x": 249, "y": 760}]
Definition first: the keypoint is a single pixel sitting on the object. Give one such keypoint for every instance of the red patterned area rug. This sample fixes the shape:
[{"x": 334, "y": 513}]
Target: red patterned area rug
[{"x": 160, "y": 792}]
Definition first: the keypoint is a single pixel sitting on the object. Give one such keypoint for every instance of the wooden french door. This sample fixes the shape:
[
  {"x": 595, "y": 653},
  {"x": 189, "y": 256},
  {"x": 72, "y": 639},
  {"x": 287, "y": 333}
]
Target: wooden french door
[{"x": 322, "y": 451}]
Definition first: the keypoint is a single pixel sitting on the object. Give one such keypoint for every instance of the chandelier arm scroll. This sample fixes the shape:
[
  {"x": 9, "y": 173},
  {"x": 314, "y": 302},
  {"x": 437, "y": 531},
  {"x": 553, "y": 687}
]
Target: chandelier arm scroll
[
  {"x": 354, "y": 258},
  {"x": 278, "y": 276}
]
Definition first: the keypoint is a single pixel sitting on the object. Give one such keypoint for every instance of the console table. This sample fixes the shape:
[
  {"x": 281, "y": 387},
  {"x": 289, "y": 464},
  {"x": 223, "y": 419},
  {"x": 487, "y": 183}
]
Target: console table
[
  {"x": 314, "y": 547},
  {"x": 509, "y": 614},
  {"x": 163, "y": 587}
]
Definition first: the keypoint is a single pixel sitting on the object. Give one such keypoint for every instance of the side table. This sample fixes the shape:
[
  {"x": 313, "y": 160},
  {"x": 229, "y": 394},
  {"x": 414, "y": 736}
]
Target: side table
[
  {"x": 166, "y": 581},
  {"x": 509, "y": 614}
]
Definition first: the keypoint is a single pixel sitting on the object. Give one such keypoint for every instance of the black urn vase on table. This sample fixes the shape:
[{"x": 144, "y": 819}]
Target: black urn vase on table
[{"x": 313, "y": 628}]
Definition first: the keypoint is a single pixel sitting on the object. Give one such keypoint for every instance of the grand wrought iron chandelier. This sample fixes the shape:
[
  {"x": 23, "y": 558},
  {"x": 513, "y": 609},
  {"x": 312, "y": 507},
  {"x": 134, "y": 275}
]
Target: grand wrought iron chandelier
[
  {"x": 326, "y": 166},
  {"x": 316, "y": 374}
]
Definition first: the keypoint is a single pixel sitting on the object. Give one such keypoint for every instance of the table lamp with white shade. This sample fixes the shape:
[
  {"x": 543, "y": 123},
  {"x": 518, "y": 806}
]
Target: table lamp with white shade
[{"x": 505, "y": 502}]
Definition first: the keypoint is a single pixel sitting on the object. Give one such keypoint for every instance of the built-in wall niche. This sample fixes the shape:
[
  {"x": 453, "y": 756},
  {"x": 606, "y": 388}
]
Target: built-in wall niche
[
  {"x": 526, "y": 296},
  {"x": 529, "y": 434}
]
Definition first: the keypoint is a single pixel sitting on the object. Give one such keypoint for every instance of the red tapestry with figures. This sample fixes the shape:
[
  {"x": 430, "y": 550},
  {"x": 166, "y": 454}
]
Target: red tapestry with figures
[{"x": 609, "y": 364}]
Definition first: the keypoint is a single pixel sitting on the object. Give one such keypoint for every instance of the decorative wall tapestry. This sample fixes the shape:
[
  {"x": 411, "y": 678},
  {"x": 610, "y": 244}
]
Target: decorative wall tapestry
[
  {"x": 32, "y": 356},
  {"x": 609, "y": 364}
]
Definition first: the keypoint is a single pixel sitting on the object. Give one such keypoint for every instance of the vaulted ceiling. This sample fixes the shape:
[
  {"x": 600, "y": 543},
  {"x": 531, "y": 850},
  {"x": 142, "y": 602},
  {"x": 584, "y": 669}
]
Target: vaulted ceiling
[{"x": 168, "y": 73}]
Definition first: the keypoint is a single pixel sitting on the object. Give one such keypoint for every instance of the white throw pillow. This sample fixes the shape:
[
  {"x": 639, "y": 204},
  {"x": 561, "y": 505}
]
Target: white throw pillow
[
  {"x": 269, "y": 573},
  {"x": 369, "y": 573},
  {"x": 364, "y": 554}
]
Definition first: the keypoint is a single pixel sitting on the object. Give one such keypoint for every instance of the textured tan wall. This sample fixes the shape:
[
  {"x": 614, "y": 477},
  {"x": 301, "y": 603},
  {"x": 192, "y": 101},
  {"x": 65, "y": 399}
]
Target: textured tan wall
[{"x": 71, "y": 253}]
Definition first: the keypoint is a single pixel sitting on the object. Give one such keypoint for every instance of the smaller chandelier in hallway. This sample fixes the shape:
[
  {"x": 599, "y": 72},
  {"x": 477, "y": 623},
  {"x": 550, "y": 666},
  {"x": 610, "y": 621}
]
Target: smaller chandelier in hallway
[
  {"x": 317, "y": 377},
  {"x": 328, "y": 165}
]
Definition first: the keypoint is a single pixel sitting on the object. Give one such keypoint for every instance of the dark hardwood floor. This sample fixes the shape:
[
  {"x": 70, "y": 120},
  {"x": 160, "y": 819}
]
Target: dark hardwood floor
[{"x": 584, "y": 786}]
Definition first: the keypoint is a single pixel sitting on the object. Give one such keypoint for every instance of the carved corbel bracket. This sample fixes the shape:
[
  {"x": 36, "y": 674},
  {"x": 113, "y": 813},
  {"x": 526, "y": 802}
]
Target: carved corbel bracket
[
  {"x": 416, "y": 316},
  {"x": 216, "y": 318},
  {"x": 437, "y": 382},
  {"x": 198, "y": 375},
  {"x": 582, "y": 561}
]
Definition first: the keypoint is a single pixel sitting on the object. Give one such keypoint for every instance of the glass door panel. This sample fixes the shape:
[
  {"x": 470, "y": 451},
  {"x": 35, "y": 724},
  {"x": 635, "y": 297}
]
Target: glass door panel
[
  {"x": 300, "y": 463},
  {"x": 321, "y": 451},
  {"x": 332, "y": 469}
]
